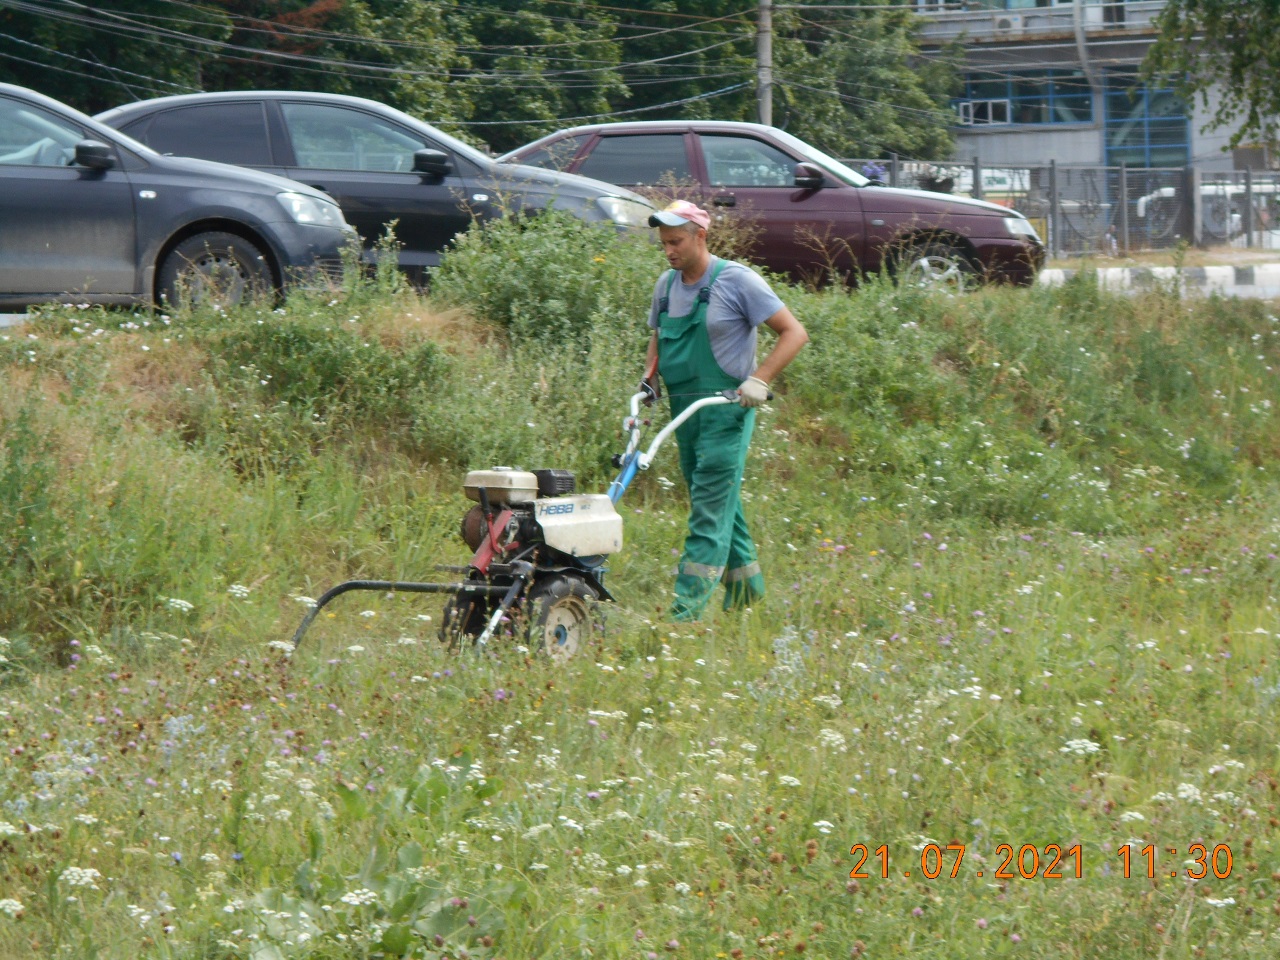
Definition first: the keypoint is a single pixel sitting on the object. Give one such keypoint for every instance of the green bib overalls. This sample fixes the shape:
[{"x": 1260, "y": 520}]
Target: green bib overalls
[{"x": 713, "y": 455}]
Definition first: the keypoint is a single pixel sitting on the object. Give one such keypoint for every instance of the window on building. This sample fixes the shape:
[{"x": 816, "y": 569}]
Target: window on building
[
  {"x": 1034, "y": 97},
  {"x": 1145, "y": 128},
  {"x": 976, "y": 112},
  {"x": 989, "y": 4}
]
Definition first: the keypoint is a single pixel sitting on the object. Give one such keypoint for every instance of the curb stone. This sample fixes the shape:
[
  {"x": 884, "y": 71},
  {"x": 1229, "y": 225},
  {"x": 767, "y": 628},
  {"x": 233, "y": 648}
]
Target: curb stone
[{"x": 1259, "y": 280}]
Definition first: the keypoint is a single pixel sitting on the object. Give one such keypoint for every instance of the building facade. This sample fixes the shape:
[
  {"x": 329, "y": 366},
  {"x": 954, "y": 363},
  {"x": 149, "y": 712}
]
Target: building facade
[{"x": 1060, "y": 79}]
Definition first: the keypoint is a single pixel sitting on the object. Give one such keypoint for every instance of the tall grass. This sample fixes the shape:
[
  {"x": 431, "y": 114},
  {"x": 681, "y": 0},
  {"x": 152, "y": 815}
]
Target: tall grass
[{"x": 1022, "y": 552}]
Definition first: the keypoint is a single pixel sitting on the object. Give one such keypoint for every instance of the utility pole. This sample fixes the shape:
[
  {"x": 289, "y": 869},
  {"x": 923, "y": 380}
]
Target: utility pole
[{"x": 764, "y": 63}]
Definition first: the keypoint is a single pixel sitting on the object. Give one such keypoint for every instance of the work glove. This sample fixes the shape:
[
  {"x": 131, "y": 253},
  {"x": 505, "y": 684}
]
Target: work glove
[
  {"x": 752, "y": 392},
  {"x": 651, "y": 387}
]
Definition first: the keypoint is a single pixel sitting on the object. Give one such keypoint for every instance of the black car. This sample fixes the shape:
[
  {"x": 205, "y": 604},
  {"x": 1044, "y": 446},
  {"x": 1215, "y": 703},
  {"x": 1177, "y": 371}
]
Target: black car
[
  {"x": 379, "y": 164},
  {"x": 89, "y": 214}
]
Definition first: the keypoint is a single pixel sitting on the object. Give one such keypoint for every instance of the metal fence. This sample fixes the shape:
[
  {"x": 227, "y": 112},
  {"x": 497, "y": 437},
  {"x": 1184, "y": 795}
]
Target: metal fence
[{"x": 1112, "y": 210}]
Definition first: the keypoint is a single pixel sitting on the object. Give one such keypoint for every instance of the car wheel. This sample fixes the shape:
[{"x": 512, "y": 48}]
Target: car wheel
[
  {"x": 935, "y": 266},
  {"x": 215, "y": 269}
]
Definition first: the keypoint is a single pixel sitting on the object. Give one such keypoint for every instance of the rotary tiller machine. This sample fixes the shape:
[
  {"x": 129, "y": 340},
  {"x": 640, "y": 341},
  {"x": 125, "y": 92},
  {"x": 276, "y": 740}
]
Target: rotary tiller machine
[{"x": 540, "y": 550}]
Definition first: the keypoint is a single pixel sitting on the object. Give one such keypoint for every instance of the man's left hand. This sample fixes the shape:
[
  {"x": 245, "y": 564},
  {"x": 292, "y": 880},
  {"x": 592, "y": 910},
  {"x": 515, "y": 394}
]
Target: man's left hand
[{"x": 752, "y": 392}]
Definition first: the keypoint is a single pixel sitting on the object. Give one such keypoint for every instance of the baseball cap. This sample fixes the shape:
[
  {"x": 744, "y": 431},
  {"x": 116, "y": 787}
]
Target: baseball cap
[{"x": 678, "y": 213}]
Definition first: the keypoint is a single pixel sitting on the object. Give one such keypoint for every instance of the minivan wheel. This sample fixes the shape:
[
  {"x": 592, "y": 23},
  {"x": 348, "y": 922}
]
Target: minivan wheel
[
  {"x": 214, "y": 269},
  {"x": 935, "y": 266}
]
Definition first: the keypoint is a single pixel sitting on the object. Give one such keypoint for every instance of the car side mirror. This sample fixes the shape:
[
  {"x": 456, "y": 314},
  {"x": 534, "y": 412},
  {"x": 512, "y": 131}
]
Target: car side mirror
[
  {"x": 809, "y": 177},
  {"x": 435, "y": 163},
  {"x": 95, "y": 155}
]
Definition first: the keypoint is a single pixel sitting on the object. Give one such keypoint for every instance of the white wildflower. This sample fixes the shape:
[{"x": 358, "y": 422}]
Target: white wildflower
[
  {"x": 80, "y": 877},
  {"x": 832, "y": 739},
  {"x": 1081, "y": 748},
  {"x": 1189, "y": 792}
]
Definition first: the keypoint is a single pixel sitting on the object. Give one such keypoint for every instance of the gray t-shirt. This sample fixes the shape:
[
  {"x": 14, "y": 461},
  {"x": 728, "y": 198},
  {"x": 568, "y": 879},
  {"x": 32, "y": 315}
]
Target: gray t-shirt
[{"x": 740, "y": 302}]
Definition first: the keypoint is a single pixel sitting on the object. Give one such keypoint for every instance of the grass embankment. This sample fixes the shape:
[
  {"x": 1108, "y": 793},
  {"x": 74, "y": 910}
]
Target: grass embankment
[{"x": 1022, "y": 551}]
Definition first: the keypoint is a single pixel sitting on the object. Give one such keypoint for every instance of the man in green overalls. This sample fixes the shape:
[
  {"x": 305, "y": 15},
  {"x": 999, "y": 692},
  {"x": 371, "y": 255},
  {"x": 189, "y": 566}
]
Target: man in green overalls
[{"x": 704, "y": 319}]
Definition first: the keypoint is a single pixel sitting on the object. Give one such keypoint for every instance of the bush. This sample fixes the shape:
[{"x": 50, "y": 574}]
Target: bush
[
  {"x": 549, "y": 276},
  {"x": 330, "y": 370}
]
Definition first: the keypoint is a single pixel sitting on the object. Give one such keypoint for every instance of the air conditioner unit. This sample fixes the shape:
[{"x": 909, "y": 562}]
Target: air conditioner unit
[{"x": 1007, "y": 24}]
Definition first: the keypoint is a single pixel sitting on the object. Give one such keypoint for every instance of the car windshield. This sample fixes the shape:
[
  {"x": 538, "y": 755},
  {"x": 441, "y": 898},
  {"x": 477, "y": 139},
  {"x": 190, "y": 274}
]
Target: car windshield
[{"x": 812, "y": 154}]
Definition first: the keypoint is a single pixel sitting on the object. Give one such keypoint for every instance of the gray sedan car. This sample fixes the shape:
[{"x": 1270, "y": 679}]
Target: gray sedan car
[
  {"x": 91, "y": 215},
  {"x": 380, "y": 164}
]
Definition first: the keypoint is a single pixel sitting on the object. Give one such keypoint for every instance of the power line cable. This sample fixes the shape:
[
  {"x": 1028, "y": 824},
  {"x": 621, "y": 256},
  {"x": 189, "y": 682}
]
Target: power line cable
[
  {"x": 97, "y": 63},
  {"x": 277, "y": 28},
  {"x": 292, "y": 59},
  {"x": 560, "y": 121},
  {"x": 848, "y": 98},
  {"x": 633, "y": 11},
  {"x": 51, "y": 66}
]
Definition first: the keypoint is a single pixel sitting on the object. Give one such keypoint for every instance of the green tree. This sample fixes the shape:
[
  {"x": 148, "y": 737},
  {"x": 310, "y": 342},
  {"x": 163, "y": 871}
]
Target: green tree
[
  {"x": 94, "y": 58},
  {"x": 1228, "y": 46},
  {"x": 533, "y": 64},
  {"x": 394, "y": 51},
  {"x": 503, "y": 71},
  {"x": 691, "y": 59},
  {"x": 850, "y": 81},
  {"x": 855, "y": 83}
]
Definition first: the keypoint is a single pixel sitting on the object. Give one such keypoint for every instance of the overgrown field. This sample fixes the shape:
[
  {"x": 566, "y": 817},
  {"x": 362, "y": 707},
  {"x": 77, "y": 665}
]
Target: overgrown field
[{"x": 1019, "y": 643}]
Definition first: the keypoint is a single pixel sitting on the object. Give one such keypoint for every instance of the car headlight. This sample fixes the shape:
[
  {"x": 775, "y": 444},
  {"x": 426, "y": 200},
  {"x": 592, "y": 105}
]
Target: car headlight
[
  {"x": 1021, "y": 227},
  {"x": 311, "y": 210},
  {"x": 625, "y": 212}
]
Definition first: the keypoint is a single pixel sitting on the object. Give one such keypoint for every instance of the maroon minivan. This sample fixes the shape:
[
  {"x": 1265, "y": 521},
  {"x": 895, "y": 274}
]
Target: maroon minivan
[{"x": 811, "y": 213}]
